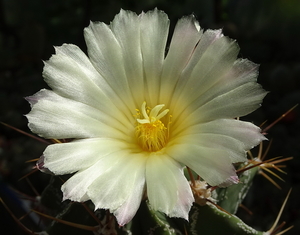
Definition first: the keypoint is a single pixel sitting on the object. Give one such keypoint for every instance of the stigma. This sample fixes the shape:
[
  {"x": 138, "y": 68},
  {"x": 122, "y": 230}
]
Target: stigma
[{"x": 151, "y": 133}]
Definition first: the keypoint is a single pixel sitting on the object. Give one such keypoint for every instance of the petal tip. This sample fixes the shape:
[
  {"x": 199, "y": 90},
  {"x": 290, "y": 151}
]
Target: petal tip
[{"x": 229, "y": 181}]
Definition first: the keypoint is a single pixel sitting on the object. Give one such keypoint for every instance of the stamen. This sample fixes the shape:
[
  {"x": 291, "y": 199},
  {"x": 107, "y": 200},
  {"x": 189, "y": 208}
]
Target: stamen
[{"x": 150, "y": 130}]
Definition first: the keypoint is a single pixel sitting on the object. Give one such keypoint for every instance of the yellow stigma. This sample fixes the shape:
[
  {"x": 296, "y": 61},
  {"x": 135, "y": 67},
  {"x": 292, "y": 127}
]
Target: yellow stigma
[{"x": 150, "y": 131}]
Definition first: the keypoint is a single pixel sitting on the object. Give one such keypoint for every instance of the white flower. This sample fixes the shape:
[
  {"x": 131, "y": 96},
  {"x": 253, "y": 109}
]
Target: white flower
[{"x": 139, "y": 117}]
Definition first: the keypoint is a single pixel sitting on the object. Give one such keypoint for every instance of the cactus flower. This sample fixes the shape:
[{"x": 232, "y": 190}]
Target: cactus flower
[{"x": 137, "y": 115}]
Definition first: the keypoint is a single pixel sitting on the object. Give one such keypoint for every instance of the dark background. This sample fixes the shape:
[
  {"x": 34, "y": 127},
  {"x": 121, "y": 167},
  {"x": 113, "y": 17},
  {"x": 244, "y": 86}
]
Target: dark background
[{"x": 268, "y": 33}]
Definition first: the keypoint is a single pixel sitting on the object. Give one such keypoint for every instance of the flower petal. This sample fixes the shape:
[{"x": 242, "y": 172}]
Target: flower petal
[
  {"x": 154, "y": 34},
  {"x": 197, "y": 79},
  {"x": 79, "y": 154},
  {"x": 242, "y": 73},
  {"x": 167, "y": 188},
  {"x": 77, "y": 186},
  {"x": 126, "y": 28},
  {"x": 246, "y": 132},
  {"x": 105, "y": 53},
  {"x": 70, "y": 74},
  {"x": 120, "y": 186},
  {"x": 219, "y": 81},
  {"x": 53, "y": 116},
  {"x": 207, "y": 39},
  {"x": 184, "y": 40},
  {"x": 212, "y": 165},
  {"x": 234, "y": 147},
  {"x": 237, "y": 102},
  {"x": 231, "y": 135}
]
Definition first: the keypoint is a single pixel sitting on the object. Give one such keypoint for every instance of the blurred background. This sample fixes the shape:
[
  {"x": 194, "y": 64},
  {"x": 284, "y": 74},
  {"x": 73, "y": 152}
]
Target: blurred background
[{"x": 268, "y": 33}]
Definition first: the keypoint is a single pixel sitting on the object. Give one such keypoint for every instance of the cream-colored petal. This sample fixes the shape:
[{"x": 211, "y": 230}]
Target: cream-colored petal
[
  {"x": 237, "y": 102},
  {"x": 66, "y": 158},
  {"x": 235, "y": 148},
  {"x": 215, "y": 61},
  {"x": 53, "y": 116},
  {"x": 76, "y": 187},
  {"x": 120, "y": 185},
  {"x": 207, "y": 39},
  {"x": 105, "y": 53},
  {"x": 167, "y": 188},
  {"x": 126, "y": 28},
  {"x": 134, "y": 47},
  {"x": 214, "y": 78},
  {"x": 183, "y": 43},
  {"x": 242, "y": 71},
  {"x": 70, "y": 74},
  {"x": 234, "y": 135},
  {"x": 128, "y": 209},
  {"x": 154, "y": 34},
  {"x": 246, "y": 132},
  {"x": 242, "y": 74},
  {"x": 212, "y": 165}
]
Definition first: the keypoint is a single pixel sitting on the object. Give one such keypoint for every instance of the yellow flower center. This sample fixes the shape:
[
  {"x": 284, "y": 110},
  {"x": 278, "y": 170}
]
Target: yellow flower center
[{"x": 151, "y": 132}]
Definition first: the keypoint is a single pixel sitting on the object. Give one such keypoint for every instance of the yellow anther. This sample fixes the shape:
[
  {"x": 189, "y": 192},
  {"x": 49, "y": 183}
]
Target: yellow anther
[{"x": 150, "y": 130}]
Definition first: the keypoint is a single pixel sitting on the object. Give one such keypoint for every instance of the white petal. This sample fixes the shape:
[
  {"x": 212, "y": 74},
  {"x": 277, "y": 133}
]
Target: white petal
[
  {"x": 229, "y": 181},
  {"x": 167, "y": 188},
  {"x": 215, "y": 85},
  {"x": 126, "y": 28},
  {"x": 70, "y": 74},
  {"x": 245, "y": 132},
  {"x": 76, "y": 187},
  {"x": 154, "y": 34},
  {"x": 216, "y": 75},
  {"x": 53, "y": 116},
  {"x": 208, "y": 38},
  {"x": 66, "y": 158},
  {"x": 127, "y": 211},
  {"x": 237, "y": 102},
  {"x": 212, "y": 165},
  {"x": 106, "y": 55},
  {"x": 120, "y": 186},
  {"x": 214, "y": 62},
  {"x": 184, "y": 40},
  {"x": 233, "y": 147},
  {"x": 229, "y": 134},
  {"x": 125, "y": 47},
  {"x": 242, "y": 71}
]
